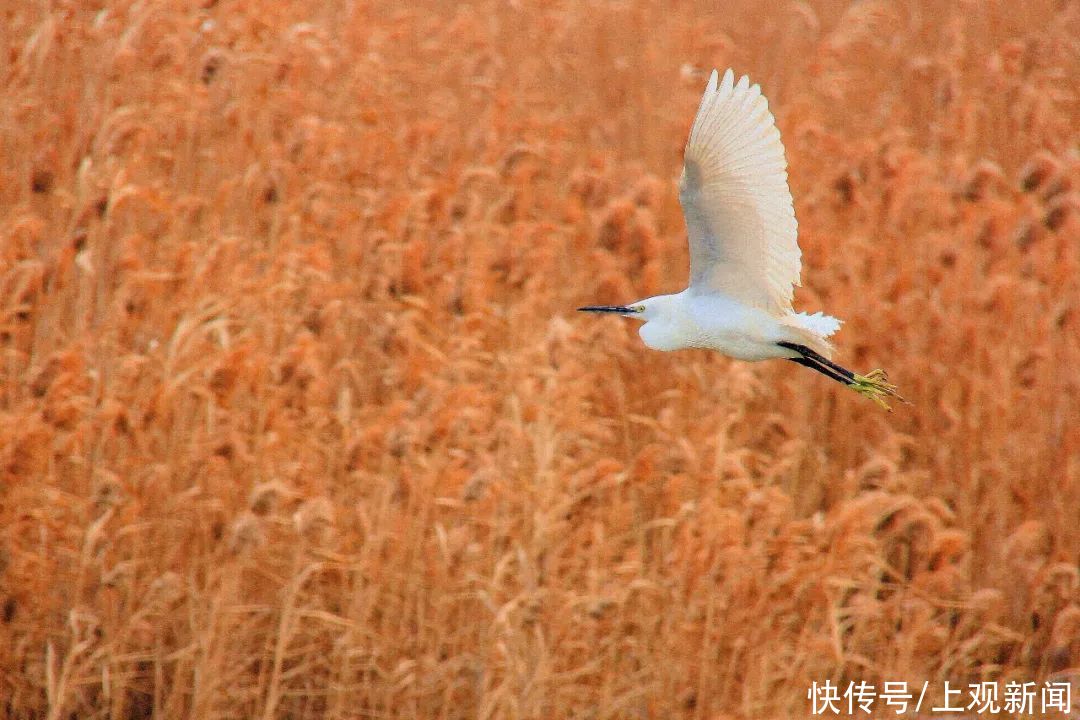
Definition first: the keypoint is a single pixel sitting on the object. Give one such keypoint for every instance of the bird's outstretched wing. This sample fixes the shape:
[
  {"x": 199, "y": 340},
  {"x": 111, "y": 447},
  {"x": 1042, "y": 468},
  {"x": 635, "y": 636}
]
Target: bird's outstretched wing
[{"x": 735, "y": 196}]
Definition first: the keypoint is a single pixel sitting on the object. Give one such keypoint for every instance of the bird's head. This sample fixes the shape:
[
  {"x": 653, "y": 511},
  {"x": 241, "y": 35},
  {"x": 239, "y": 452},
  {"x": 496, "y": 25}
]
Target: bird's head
[
  {"x": 663, "y": 315},
  {"x": 644, "y": 310}
]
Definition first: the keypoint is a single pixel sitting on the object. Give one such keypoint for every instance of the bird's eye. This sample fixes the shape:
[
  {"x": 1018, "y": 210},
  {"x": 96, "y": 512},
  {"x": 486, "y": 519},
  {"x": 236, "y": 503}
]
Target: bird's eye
[{"x": 639, "y": 308}]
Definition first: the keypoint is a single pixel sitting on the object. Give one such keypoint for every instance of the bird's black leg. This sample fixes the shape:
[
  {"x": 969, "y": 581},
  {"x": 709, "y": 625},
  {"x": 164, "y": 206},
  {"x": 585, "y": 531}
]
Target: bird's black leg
[
  {"x": 823, "y": 369},
  {"x": 874, "y": 385},
  {"x": 820, "y": 362}
]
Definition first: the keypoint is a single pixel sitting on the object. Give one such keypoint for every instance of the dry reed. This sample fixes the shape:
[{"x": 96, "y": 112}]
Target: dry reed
[{"x": 297, "y": 420}]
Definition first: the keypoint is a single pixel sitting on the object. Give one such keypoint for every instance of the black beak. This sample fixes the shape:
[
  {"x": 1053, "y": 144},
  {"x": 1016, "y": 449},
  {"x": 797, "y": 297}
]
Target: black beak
[{"x": 620, "y": 309}]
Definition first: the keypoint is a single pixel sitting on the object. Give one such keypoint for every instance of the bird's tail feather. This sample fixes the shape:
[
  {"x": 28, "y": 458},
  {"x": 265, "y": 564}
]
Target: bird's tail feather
[{"x": 813, "y": 331}]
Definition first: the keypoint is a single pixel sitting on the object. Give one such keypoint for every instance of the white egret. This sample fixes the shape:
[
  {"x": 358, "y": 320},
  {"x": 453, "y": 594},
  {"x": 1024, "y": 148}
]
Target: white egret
[{"x": 744, "y": 250}]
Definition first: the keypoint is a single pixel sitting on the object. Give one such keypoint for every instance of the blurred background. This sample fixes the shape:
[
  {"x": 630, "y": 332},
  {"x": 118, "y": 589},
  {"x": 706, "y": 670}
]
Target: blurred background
[{"x": 297, "y": 418}]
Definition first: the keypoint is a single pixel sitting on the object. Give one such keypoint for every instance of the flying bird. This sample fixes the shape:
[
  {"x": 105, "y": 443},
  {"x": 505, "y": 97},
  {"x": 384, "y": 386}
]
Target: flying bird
[{"x": 744, "y": 250}]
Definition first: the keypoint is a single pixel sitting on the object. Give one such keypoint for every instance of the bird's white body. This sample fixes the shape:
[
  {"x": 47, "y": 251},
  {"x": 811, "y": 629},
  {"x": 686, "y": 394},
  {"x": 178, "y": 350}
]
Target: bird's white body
[
  {"x": 710, "y": 321},
  {"x": 744, "y": 250},
  {"x": 713, "y": 321}
]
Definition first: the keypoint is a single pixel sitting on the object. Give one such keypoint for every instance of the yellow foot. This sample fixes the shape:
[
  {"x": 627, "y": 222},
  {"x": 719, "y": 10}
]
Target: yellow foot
[{"x": 876, "y": 386}]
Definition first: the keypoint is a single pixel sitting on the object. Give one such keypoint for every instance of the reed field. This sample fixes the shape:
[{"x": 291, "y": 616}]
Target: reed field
[{"x": 298, "y": 420}]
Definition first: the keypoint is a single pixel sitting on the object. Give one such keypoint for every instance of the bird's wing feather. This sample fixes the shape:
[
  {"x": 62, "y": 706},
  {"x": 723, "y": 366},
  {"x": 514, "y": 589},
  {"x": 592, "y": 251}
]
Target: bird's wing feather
[{"x": 735, "y": 196}]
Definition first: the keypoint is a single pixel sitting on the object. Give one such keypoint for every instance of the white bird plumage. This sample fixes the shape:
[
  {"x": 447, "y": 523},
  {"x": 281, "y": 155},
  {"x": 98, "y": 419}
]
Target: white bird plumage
[
  {"x": 744, "y": 251},
  {"x": 734, "y": 193}
]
